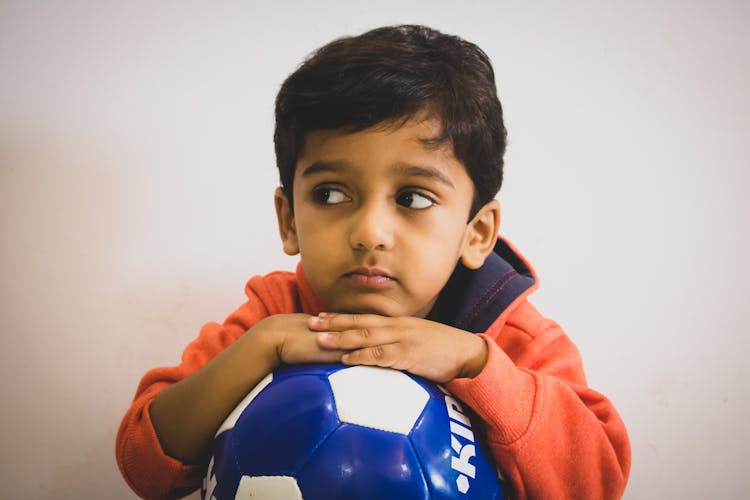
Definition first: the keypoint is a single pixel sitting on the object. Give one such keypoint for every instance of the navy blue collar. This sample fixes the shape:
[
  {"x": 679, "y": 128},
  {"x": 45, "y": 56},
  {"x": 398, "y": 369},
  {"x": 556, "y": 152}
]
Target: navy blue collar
[{"x": 473, "y": 299}]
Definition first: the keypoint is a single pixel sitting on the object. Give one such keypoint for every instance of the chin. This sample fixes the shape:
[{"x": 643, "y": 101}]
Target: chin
[
  {"x": 390, "y": 310},
  {"x": 367, "y": 310}
]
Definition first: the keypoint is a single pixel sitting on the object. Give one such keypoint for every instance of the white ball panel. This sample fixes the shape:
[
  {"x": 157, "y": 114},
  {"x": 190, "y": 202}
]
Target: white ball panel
[
  {"x": 268, "y": 487},
  {"x": 379, "y": 398},
  {"x": 232, "y": 418}
]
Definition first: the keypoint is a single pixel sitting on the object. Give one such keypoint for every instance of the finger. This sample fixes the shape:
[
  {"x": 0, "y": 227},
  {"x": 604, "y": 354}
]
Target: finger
[
  {"x": 344, "y": 340},
  {"x": 328, "y": 340},
  {"x": 308, "y": 353},
  {"x": 340, "y": 322},
  {"x": 325, "y": 356},
  {"x": 357, "y": 339},
  {"x": 385, "y": 355}
]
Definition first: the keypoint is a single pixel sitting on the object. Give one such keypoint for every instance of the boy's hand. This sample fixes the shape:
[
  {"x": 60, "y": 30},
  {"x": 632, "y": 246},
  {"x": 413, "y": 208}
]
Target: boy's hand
[
  {"x": 293, "y": 341},
  {"x": 431, "y": 350}
]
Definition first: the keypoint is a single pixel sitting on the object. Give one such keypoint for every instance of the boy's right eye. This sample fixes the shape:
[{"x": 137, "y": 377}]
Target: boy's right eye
[{"x": 329, "y": 196}]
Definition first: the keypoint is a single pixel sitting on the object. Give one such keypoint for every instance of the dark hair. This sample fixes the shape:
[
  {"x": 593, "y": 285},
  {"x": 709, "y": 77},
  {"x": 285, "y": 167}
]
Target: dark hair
[{"x": 390, "y": 74}]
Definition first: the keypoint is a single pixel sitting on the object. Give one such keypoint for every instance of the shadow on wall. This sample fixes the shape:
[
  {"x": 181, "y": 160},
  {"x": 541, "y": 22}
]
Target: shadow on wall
[
  {"x": 97, "y": 288},
  {"x": 91, "y": 474},
  {"x": 66, "y": 217}
]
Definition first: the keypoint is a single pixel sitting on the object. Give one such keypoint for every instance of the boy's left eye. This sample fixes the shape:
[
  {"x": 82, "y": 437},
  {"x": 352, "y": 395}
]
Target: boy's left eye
[{"x": 411, "y": 199}]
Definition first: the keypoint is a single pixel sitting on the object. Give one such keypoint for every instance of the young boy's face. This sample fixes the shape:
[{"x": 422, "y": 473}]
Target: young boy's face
[{"x": 380, "y": 217}]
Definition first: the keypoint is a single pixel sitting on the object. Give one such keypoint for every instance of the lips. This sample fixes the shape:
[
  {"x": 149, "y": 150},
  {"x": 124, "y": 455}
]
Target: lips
[{"x": 370, "y": 278}]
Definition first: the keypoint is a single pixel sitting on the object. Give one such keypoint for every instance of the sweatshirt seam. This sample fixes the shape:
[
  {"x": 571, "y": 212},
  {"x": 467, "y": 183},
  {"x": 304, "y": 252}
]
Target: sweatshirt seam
[
  {"x": 506, "y": 317},
  {"x": 533, "y": 335},
  {"x": 496, "y": 287},
  {"x": 536, "y": 410},
  {"x": 537, "y": 402}
]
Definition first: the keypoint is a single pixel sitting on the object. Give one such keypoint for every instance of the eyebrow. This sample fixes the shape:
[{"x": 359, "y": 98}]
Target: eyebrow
[
  {"x": 407, "y": 169},
  {"x": 322, "y": 166},
  {"x": 428, "y": 172}
]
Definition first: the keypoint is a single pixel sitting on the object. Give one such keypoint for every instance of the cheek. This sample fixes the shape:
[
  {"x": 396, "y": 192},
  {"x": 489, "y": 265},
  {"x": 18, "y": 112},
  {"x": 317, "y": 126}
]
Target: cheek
[
  {"x": 309, "y": 229},
  {"x": 436, "y": 254},
  {"x": 443, "y": 236},
  {"x": 320, "y": 248}
]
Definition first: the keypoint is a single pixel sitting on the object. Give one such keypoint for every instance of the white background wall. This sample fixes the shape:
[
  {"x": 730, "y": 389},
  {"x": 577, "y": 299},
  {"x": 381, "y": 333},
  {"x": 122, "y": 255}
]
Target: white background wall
[{"x": 136, "y": 180}]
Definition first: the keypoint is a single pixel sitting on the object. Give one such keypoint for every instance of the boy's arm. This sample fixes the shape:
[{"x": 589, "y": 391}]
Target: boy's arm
[
  {"x": 164, "y": 439},
  {"x": 186, "y": 415},
  {"x": 552, "y": 436}
]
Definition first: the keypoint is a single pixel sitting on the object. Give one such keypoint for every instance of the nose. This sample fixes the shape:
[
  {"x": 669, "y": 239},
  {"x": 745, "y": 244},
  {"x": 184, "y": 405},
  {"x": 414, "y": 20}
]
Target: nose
[{"x": 372, "y": 227}]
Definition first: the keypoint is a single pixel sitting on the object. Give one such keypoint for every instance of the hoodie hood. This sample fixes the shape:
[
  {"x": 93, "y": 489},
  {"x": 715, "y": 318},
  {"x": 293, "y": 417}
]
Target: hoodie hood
[{"x": 473, "y": 299}]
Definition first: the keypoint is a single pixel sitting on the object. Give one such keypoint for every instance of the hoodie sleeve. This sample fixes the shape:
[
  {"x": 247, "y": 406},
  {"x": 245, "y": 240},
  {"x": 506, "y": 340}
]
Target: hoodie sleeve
[
  {"x": 149, "y": 471},
  {"x": 550, "y": 434}
]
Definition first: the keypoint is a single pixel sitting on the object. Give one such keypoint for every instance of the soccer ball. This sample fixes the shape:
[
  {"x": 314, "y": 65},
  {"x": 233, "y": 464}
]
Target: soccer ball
[{"x": 325, "y": 432}]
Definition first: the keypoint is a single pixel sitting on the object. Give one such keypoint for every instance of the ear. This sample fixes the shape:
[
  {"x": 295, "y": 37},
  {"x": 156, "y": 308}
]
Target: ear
[
  {"x": 287, "y": 226},
  {"x": 481, "y": 235}
]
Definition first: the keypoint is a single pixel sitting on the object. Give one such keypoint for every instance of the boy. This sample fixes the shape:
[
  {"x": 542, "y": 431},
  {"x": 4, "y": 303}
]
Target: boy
[{"x": 390, "y": 150}]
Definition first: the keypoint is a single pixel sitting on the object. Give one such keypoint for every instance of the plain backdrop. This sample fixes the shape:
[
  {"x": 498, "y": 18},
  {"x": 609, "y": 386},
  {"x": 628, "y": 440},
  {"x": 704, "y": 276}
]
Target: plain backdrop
[{"x": 136, "y": 182}]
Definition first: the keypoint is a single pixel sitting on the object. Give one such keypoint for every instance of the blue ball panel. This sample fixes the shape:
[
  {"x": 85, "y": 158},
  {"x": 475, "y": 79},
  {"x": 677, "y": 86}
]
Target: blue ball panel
[
  {"x": 431, "y": 436},
  {"x": 225, "y": 468},
  {"x": 308, "y": 369},
  {"x": 363, "y": 463},
  {"x": 283, "y": 425}
]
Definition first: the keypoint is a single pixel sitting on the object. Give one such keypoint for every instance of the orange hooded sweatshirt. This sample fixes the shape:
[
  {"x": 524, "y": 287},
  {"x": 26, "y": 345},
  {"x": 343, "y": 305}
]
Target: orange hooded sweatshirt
[{"x": 550, "y": 434}]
